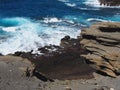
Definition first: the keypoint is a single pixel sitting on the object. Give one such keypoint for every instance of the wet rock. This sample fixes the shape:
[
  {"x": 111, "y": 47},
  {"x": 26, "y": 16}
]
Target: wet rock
[
  {"x": 68, "y": 42},
  {"x": 102, "y": 43},
  {"x": 60, "y": 62},
  {"x": 110, "y": 2},
  {"x": 1, "y": 54}
]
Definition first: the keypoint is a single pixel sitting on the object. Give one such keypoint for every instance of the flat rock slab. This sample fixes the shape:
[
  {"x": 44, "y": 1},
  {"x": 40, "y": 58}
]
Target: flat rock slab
[
  {"x": 13, "y": 78},
  {"x": 12, "y": 74},
  {"x": 62, "y": 64},
  {"x": 64, "y": 67}
]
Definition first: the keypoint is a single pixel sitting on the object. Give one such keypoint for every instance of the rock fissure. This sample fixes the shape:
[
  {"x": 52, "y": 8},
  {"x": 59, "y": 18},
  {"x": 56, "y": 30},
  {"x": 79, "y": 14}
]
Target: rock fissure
[{"x": 103, "y": 42}]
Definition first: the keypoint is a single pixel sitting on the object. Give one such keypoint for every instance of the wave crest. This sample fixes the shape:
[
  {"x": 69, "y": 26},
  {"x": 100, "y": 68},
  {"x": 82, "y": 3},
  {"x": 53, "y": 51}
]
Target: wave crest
[{"x": 29, "y": 35}]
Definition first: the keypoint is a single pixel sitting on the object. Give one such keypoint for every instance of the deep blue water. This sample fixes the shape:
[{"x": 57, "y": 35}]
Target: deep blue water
[{"x": 28, "y": 24}]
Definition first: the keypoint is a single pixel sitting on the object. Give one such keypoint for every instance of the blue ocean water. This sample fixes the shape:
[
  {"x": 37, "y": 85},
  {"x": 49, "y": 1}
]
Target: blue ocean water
[{"x": 28, "y": 24}]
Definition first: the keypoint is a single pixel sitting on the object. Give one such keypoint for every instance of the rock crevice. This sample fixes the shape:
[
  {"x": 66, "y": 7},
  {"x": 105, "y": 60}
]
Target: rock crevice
[{"x": 102, "y": 42}]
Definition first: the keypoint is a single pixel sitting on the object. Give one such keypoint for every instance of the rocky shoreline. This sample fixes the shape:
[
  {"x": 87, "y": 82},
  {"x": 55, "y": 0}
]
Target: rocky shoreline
[
  {"x": 60, "y": 62},
  {"x": 97, "y": 50},
  {"x": 102, "y": 42}
]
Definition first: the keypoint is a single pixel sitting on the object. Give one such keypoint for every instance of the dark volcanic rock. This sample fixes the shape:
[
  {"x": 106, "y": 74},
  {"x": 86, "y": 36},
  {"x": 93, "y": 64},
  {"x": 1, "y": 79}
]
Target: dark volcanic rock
[
  {"x": 60, "y": 62},
  {"x": 102, "y": 42},
  {"x": 1, "y": 54},
  {"x": 110, "y": 2}
]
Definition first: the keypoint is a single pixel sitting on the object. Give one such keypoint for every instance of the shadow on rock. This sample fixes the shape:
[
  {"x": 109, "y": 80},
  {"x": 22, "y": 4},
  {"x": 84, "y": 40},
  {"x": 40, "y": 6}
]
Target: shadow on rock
[{"x": 60, "y": 62}]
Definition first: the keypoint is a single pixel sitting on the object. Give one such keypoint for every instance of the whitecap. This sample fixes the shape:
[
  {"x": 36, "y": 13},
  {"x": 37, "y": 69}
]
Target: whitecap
[
  {"x": 63, "y": 0},
  {"x": 71, "y": 4},
  {"x": 30, "y": 35},
  {"x": 96, "y": 19},
  {"x": 51, "y": 20},
  {"x": 9, "y": 29}
]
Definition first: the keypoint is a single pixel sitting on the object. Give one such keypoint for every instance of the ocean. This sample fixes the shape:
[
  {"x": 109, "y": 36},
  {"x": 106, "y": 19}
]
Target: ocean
[{"x": 26, "y": 25}]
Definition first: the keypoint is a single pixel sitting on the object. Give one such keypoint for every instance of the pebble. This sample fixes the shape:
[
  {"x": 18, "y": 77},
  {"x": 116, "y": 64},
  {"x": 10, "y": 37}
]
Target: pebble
[
  {"x": 112, "y": 89},
  {"x": 68, "y": 88}
]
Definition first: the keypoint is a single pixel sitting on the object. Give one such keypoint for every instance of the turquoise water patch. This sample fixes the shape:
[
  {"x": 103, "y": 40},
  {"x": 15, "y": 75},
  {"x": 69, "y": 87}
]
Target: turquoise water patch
[
  {"x": 28, "y": 35},
  {"x": 32, "y": 24},
  {"x": 9, "y": 22}
]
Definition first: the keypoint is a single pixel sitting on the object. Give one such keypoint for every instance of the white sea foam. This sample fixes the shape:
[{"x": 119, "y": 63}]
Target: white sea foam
[
  {"x": 92, "y": 3},
  {"x": 95, "y": 19},
  {"x": 71, "y": 4},
  {"x": 52, "y": 20},
  {"x": 9, "y": 29},
  {"x": 68, "y": 3},
  {"x": 29, "y": 36},
  {"x": 63, "y": 0}
]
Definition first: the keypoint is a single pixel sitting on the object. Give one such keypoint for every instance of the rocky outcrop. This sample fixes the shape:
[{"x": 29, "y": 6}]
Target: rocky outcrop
[
  {"x": 14, "y": 74},
  {"x": 102, "y": 42},
  {"x": 110, "y": 2},
  {"x": 20, "y": 63},
  {"x": 60, "y": 62}
]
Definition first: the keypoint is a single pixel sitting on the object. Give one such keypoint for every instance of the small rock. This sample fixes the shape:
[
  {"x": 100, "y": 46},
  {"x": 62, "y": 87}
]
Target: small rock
[
  {"x": 112, "y": 89},
  {"x": 95, "y": 84},
  {"x": 68, "y": 88}
]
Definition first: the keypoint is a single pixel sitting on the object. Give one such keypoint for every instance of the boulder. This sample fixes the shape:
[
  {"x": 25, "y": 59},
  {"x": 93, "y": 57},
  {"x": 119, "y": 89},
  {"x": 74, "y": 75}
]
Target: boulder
[{"x": 102, "y": 43}]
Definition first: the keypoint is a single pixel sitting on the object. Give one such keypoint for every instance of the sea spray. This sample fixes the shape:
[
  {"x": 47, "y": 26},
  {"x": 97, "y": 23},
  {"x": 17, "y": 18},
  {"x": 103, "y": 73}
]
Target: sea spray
[{"x": 28, "y": 35}]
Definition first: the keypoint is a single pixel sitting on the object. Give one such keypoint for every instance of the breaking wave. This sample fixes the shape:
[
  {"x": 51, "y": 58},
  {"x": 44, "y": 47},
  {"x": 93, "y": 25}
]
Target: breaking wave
[
  {"x": 28, "y": 35},
  {"x": 28, "y": 25}
]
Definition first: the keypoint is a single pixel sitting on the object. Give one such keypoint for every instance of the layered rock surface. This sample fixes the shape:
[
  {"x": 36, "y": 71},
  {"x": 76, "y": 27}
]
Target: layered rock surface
[
  {"x": 102, "y": 42},
  {"x": 99, "y": 45}
]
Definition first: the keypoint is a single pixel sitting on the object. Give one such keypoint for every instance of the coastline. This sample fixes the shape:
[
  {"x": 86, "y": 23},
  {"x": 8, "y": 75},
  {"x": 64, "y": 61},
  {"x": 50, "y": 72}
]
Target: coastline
[{"x": 10, "y": 66}]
